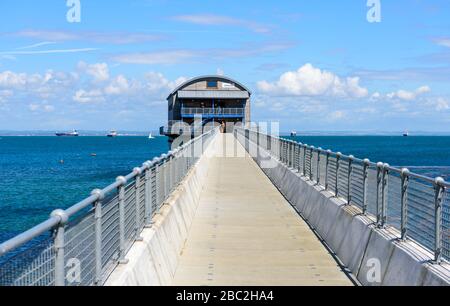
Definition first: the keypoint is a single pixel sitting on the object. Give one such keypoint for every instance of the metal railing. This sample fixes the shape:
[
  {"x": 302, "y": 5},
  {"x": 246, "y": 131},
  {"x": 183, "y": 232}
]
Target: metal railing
[
  {"x": 192, "y": 111},
  {"x": 416, "y": 205},
  {"x": 84, "y": 243}
]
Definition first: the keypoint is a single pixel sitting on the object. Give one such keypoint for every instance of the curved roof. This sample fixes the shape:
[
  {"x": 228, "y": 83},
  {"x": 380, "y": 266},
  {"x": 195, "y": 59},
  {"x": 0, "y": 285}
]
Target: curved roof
[{"x": 209, "y": 77}]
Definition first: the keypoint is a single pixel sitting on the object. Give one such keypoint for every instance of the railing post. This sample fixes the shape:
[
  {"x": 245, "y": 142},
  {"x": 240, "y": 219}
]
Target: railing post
[
  {"x": 404, "y": 205},
  {"x": 311, "y": 163},
  {"x": 163, "y": 172},
  {"x": 148, "y": 195},
  {"x": 137, "y": 186},
  {"x": 327, "y": 168},
  {"x": 319, "y": 151},
  {"x": 305, "y": 147},
  {"x": 349, "y": 178},
  {"x": 365, "y": 184},
  {"x": 158, "y": 183},
  {"x": 298, "y": 156},
  {"x": 288, "y": 153},
  {"x": 384, "y": 202},
  {"x": 98, "y": 236},
  {"x": 439, "y": 198},
  {"x": 379, "y": 185},
  {"x": 336, "y": 183},
  {"x": 59, "y": 245},
  {"x": 122, "y": 180},
  {"x": 170, "y": 169},
  {"x": 294, "y": 146},
  {"x": 291, "y": 153}
]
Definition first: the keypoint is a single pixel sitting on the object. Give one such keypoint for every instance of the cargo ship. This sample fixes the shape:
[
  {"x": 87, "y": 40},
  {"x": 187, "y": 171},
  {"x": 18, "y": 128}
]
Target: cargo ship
[
  {"x": 74, "y": 133},
  {"x": 112, "y": 134}
]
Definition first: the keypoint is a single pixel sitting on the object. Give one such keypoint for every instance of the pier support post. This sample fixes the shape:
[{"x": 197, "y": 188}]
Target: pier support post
[
  {"x": 298, "y": 157},
  {"x": 384, "y": 202},
  {"x": 404, "y": 213},
  {"x": 137, "y": 202},
  {"x": 379, "y": 187},
  {"x": 336, "y": 183},
  {"x": 319, "y": 151},
  {"x": 366, "y": 166},
  {"x": 311, "y": 163},
  {"x": 163, "y": 178},
  {"x": 121, "y": 191},
  {"x": 439, "y": 198},
  {"x": 59, "y": 246},
  {"x": 148, "y": 195},
  {"x": 171, "y": 169},
  {"x": 291, "y": 155},
  {"x": 349, "y": 179},
  {"x": 98, "y": 236},
  {"x": 327, "y": 166},
  {"x": 305, "y": 147}
]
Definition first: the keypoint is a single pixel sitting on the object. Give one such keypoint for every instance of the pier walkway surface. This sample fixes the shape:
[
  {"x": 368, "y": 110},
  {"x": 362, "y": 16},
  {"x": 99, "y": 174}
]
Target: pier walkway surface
[{"x": 246, "y": 233}]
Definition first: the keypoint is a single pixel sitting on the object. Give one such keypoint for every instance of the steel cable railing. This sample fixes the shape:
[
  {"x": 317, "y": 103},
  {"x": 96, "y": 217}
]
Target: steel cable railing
[
  {"x": 81, "y": 246},
  {"x": 416, "y": 205}
]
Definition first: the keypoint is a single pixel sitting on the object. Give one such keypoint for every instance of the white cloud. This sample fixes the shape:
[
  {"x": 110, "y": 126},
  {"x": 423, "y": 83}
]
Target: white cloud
[
  {"x": 37, "y": 45},
  {"x": 118, "y": 38},
  {"x": 9, "y": 79},
  {"x": 43, "y": 85},
  {"x": 337, "y": 115},
  {"x": 6, "y": 93},
  {"x": 167, "y": 57},
  {"x": 99, "y": 71},
  {"x": 154, "y": 85},
  {"x": 311, "y": 81},
  {"x": 217, "y": 20},
  {"x": 220, "y": 71},
  {"x": 41, "y": 107},
  {"x": 439, "y": 104},
  {"x": 158, "y": 57},
  {"x": 443, "y": 41},
  {"x": 83, "y": 96},
  {"x": 52, "y": 51},
  {"x": 157, "y": 82},
  {"x": 119, "y": 85},
  {"x": 408, "y": 95}
]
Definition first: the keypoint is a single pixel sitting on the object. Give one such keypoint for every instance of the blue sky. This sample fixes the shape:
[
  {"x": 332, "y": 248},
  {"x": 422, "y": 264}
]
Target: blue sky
[{"x": 312, "y": 65}]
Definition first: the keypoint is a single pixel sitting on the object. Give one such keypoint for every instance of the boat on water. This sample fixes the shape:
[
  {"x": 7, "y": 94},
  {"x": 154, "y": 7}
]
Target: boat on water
[
  {"x": 405, "y": 134},
  {"x": 74, "y": 133},
  {"x": 150, "y": 136},
  {"x": 113, "y": 134},
  {"x": 293, "y": 133}
]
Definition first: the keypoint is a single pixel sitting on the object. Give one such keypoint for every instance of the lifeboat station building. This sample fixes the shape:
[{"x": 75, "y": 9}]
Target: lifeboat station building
[{"x": 209, "y": 99}]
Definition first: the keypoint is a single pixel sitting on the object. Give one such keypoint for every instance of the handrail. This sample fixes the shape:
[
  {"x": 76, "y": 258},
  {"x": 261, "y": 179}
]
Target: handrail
[
  {"x": 397, "y": 197},
  {"x": 155, "y": 179},
  {"x": 212, "y": 111}
]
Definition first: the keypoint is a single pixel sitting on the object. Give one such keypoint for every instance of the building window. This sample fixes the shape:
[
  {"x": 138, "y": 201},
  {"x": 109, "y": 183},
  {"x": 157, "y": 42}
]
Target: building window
[{"x": 211, "y": 84}]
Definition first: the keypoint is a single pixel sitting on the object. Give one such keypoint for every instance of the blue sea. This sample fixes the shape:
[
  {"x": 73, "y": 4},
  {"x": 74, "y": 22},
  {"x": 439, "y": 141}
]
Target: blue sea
[{"x": 34, "y": 182}]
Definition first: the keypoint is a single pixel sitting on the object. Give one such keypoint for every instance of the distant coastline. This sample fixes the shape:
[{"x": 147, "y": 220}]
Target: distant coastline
[
  {"x": 366, "y": 133},
  {"x": 82, "y": 133},
  {"x": 88, "y": 133}
]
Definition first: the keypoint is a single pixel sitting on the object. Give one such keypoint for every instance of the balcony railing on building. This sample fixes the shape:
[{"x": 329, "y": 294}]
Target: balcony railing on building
[{"x": 191, "y": 112}]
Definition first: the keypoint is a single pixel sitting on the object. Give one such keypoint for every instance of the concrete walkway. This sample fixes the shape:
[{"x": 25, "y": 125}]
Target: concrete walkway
[{"x": 246, "y": 233}]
